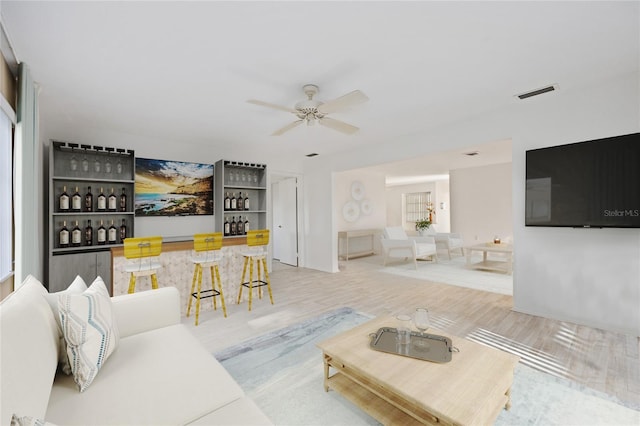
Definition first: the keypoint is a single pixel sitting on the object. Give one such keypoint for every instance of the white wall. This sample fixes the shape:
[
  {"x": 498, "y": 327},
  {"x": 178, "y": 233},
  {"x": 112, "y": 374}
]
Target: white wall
[
  {"x": 373, "y": 184},
  {"x": 588, "y": 276},
  {"x": 396, "y": 207},
  {"x": 481, "y": 203},
  {"x": 585, "y": 276}
]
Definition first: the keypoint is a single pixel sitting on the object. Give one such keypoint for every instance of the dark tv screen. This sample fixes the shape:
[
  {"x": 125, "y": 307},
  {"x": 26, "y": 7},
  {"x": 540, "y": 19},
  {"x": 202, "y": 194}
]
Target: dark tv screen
[{"x": 586, "y": 184}]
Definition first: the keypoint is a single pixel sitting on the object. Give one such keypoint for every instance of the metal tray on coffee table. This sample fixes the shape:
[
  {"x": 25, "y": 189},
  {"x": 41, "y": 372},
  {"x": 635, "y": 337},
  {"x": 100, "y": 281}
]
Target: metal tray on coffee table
[{"x": 427, "y": 347}]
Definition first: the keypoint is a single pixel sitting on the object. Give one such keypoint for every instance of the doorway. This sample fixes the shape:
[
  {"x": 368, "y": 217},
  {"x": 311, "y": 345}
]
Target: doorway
[{"x": 285, "y": 205}]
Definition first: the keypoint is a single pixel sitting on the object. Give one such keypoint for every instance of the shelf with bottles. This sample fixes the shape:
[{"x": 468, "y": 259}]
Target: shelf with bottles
[
  {"x": 247, "y": 200},
  {"x": 79, "y": 197},
  {"x": 250, "y": 220},
  {"x": 99, "y": 232}
]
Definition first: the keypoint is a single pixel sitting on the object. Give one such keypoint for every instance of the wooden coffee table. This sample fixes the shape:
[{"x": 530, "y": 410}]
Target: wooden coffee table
[
  {"x": 470, "y": 389},
  {"x": 505, "y": 265}
]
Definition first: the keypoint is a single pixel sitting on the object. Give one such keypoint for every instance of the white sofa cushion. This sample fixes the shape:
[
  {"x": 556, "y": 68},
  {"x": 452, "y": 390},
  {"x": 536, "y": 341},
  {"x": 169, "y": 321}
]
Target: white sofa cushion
[
  {"x": 146, "y": 310},
  {"x": 28, "y": 352},
  {"x": 159, "y": 377},
  {"x": 90, "y": 331},
  {"x": 76, "y": 287}
]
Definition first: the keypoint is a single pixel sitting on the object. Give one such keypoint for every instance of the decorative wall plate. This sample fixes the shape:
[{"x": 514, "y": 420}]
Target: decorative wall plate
[
  {"x": 366, "y": 207},
  {"x": 351, "y": 211},
  {"x": 357, "y": 190}
]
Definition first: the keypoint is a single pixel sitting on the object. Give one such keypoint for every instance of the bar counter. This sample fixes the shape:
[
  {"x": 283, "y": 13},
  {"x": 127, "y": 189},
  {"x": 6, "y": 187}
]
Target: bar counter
[{"x": 177, "y": 271}]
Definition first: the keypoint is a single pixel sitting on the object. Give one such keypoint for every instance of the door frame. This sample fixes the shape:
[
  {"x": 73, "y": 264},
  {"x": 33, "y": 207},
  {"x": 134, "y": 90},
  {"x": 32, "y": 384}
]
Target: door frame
[{"x": 275, "y": 176}]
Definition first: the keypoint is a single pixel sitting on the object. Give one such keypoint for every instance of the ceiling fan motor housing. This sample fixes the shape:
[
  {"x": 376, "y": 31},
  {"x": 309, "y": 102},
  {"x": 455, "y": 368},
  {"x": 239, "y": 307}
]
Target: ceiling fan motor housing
[{"x": 308, "y": 109}]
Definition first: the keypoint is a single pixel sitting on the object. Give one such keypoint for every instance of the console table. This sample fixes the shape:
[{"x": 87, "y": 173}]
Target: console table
[{"x": 359, "y": 233}]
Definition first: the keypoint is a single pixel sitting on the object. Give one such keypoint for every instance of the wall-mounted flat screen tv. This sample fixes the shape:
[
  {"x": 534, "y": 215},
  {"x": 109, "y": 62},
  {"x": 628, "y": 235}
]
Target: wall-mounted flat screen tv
[{"x": 587, "y": 184}]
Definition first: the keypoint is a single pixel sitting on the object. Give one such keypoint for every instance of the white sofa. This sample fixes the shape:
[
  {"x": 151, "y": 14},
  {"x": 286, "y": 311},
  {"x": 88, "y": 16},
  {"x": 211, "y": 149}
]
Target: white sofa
[{"x": 159, "y": 373}]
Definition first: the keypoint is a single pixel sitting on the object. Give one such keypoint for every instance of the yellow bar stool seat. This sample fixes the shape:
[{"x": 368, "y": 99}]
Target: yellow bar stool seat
[
  {"x": 257, "y": 240},
  {"x": 207, "y": 254},
  {"x": 142, "y": 259}
]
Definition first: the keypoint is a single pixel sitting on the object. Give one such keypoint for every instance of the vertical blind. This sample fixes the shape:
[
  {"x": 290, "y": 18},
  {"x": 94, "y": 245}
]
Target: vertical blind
[{"x": 416, "y": 206}]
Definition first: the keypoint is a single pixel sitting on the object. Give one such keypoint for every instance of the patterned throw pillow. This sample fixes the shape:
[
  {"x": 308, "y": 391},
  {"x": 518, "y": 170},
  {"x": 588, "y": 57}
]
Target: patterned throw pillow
[
  {"x": 76, "y": 287},
  {"x": 90, "y": 331},
  {"x": 28, "y": 421}
]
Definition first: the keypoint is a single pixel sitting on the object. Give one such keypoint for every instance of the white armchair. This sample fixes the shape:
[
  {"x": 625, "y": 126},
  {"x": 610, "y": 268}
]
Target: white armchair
[
  {"x": 448, "y": 241},
  {"x": 396, "y": 244}
]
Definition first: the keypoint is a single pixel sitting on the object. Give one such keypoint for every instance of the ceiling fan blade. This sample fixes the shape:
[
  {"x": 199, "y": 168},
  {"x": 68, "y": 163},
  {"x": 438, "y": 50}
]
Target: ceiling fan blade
[
  {"x": 338, "y": 125},
  {"x": 287, "y": 128},
  {"x": 352, "y": 98},
  {"x": 274, "y": 106}
]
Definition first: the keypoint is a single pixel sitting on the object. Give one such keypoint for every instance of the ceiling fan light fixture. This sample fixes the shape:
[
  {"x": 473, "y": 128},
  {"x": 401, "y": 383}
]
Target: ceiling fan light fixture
[{"x": 312, "y": 111}]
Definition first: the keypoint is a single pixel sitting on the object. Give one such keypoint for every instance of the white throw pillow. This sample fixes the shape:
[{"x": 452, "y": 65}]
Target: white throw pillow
[
  {"x": 90, "y": 331},
  {"x": 76, "y": 287}
]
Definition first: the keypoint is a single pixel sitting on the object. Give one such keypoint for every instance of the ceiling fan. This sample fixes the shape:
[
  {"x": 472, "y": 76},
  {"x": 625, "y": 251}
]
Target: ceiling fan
[{"x": 311, "y": 110}]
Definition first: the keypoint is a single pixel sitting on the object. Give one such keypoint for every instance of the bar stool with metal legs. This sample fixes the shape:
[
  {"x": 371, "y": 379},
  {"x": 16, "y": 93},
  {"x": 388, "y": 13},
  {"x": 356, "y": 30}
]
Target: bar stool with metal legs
[
  {"x": 207, "y": 255},
  {"x": 257, "y": 241},
  {"x": 142, "y": 253}
]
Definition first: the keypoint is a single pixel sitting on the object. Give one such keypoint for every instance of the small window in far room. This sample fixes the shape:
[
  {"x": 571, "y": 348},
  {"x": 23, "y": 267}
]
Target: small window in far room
[{"x": 416, "y": 205}]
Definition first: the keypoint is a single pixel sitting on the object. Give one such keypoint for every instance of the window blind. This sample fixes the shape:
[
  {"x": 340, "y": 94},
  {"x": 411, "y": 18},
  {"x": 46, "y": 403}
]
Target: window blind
[{"x": 416, "y": 206}]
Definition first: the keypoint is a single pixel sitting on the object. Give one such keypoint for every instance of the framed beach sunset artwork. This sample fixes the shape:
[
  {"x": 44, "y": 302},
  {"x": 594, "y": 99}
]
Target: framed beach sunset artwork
[{"x": 173, "y": 188}]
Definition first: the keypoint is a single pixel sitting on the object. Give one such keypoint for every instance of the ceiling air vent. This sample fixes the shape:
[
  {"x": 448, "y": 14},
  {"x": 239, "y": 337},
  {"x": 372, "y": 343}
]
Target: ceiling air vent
[{"x": 537, "y": 92}]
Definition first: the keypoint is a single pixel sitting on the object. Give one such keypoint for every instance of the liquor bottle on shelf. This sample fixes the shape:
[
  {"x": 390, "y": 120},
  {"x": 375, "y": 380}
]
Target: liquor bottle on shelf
[
  {"x": 246, "y": 201},
  {"x": 227, "y": 201},
  {"x": 64, "y": 235},
  {"x": 123, "y": 201},
  {"x": 246, "y": 224},
  {"x": 64, "y": 200},
  {"x": 227, "y": 227},
  {"x": 240, "y": 227},
  {"x": 233, "y": 226},
  {"x": 123, "y": 231},
  {"x": 234, "y": 205},
  {"x": 102, "y": 201},
  {"x": 76, "y": 236},
  {"x": 102, "y": 234},
  {"x": 88, "y": 234},
  {"x": 76, "y": 201},
  {"x": 112, "y": 201},
  {"x": 113, "y": 233},
  {"x": 88, "y": 200},
  {"x": 240, "y": 201}
]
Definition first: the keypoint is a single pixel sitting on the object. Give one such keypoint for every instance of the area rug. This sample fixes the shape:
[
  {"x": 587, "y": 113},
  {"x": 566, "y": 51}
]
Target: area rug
[
  {"x": 454, "y": 272},
  {"x": 282, "y": 372}
]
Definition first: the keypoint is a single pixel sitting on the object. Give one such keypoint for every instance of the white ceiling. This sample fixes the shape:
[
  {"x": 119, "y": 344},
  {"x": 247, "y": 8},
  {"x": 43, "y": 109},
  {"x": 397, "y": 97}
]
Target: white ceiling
[{"x": 182, "y": 71}]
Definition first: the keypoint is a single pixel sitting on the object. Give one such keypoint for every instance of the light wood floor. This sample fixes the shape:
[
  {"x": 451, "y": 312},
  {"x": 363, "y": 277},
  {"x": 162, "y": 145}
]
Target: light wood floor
[{"x": 605, "y": 361}]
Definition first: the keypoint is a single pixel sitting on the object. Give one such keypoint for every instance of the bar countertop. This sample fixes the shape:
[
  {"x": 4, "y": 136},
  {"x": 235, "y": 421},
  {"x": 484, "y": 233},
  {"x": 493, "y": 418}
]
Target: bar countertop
[{"x": 182, "y": 243}]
